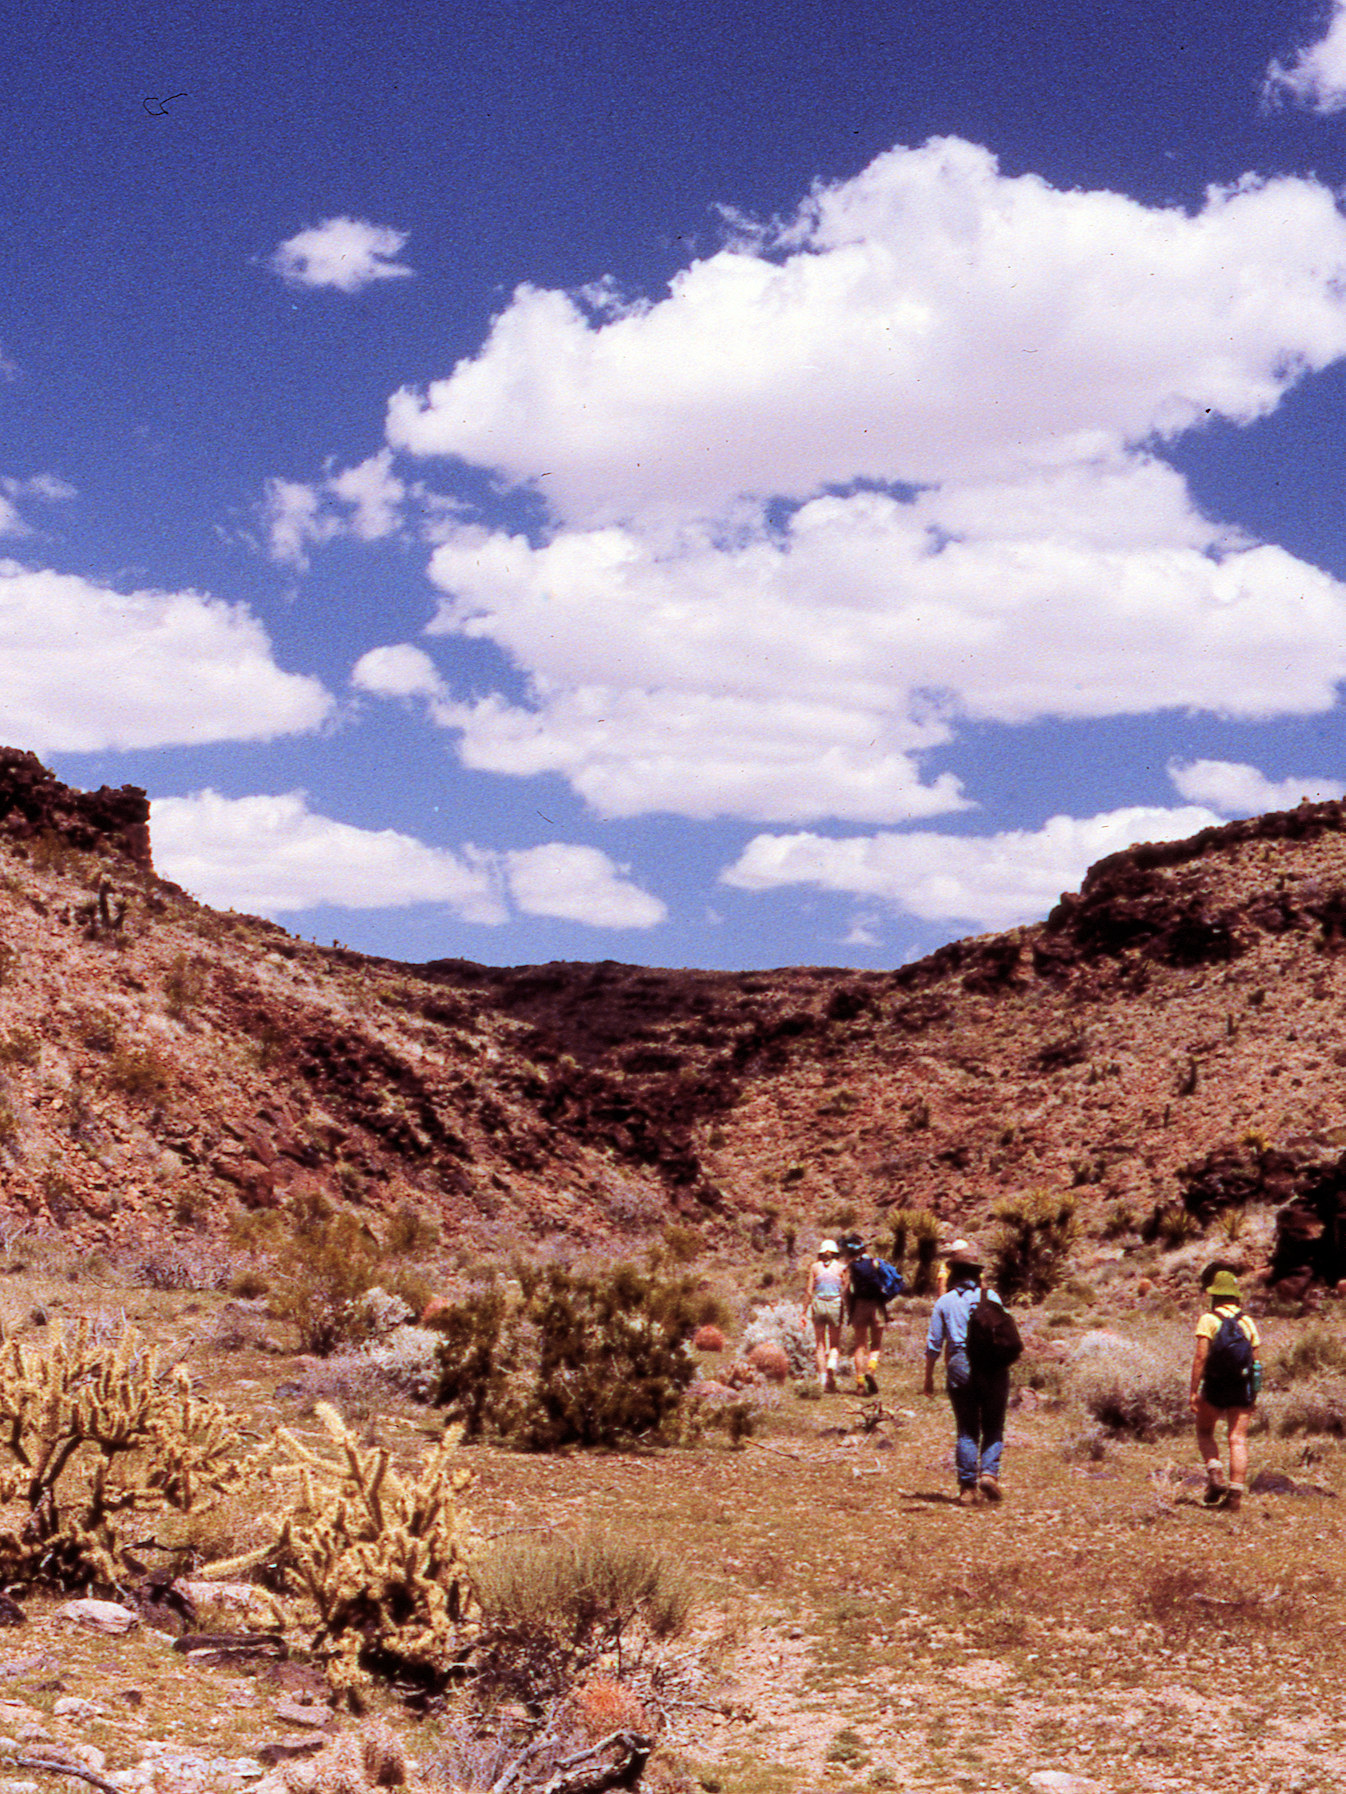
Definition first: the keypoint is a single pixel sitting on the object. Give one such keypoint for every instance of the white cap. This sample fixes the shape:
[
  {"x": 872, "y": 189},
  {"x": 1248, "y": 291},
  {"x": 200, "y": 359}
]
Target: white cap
[{"x": 827, "y": 1246}]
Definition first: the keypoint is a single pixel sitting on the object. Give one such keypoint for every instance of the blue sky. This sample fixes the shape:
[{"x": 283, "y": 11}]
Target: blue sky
[{"x": 707, "y": 484}]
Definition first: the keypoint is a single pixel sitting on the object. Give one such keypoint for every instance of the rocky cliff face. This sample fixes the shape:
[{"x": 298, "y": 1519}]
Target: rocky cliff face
[
  {"x": 34, "y": 804},
  {"x": 1174, "y": 1032}
]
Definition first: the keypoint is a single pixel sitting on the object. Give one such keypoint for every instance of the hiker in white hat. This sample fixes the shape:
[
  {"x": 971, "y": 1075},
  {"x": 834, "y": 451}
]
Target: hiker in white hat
[{"x": 822, "y": 1305}]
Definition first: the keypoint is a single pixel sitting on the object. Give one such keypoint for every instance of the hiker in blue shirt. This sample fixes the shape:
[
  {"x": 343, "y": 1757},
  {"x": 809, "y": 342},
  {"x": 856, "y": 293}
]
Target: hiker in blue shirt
[{"x": 979, "y": 1398}]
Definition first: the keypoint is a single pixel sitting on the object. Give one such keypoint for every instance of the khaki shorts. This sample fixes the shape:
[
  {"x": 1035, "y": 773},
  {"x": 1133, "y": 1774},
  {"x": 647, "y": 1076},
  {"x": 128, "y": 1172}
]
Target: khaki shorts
[{"x": 828, "y": 1311}]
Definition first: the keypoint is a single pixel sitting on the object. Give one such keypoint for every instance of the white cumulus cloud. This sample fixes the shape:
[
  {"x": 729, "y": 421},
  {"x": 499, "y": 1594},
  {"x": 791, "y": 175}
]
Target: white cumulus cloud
[
  {"x": 345, "y": 253},
  {"x": 797, "y": 670},
  {"x": 1316, "y": 76},
  {"x": 83, "y": 668},
  {"x": 929, "y": 319},
  {"x": 987, "y": 881},
  {"x": 1238, "y": 790},
  {"x": 878, "y": 470},
  {"x": 578, "y": 884},
  {"x": 274, "y": 855},
  {"x": 397, "y": 671}
]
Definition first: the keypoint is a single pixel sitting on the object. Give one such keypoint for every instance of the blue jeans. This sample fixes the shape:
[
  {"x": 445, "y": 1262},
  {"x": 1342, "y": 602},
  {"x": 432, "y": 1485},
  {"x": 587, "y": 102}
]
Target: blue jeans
[{"x": 979, "y": 1405}]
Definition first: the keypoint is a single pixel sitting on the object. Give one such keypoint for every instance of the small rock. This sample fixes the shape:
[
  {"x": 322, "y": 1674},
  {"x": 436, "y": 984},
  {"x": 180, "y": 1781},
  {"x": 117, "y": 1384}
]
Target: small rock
[
  {"x": 233, "y": 1597},
  {"x": 305, "y": 1713},
  {"x": 99, "y": 1616},
  {"x": 90, "y": 1756},
  {"x": 74, "y": 1706},
  {"x": 1060, "y": 1781},
  {"x": 285, "y": 1750},
  {"x": 17, "y": 1787}
]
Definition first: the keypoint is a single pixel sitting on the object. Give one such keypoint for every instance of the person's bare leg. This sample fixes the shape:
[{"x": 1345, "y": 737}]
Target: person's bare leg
[
  {"x": 1238, "y": 1455},
  {"x": 1206, "y": 1417}
]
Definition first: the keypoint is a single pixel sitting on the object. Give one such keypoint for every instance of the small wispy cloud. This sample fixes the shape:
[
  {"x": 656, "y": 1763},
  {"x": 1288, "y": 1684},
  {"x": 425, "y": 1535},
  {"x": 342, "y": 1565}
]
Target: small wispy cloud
[
  {"x": 45, "y": 488},
  {"x": 364, "y": 502},
  {"x": 345, "y": 253}
]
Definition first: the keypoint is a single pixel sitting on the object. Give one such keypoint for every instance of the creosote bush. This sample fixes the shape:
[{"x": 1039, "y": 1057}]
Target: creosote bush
[
  {"x": 1036, "y": 1232},
  {"x": 594, "y": 1359},
  {"x": 326, "y": 1267}
]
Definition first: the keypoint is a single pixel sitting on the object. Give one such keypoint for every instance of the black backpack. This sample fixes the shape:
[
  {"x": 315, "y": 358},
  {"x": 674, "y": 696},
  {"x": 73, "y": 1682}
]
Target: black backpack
[
  {"x": 1228, "y": 1380},
  {"x": 993, "y": 1341}
]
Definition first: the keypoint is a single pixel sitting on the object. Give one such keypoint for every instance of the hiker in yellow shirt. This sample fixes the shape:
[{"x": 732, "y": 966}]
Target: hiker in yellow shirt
[{"x": 1225, "y": 1380}]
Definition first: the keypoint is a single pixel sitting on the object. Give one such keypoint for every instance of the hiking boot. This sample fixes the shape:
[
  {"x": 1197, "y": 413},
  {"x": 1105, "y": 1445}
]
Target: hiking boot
[
  {"x": 871, "y": 1383},
  {"x": 1215, "y": 1495},
  {"x": 830, "y": 1383},
  {"x": 968, "y": 1497},
  {"x": 1233, "y": 1500},
  {"x": 990, "y": 1487}
]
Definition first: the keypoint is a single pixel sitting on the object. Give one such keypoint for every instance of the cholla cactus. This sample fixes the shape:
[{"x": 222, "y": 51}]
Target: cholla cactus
[
  {"x": 98, "y": 1434},
  {"x": 380, "y": 1556}
]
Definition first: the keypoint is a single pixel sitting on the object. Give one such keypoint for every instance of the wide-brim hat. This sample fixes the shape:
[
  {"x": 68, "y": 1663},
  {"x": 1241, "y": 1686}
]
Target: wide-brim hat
[
  {"x": 1224, "y": 1287},
  {"x": 964, "y": 1253}
]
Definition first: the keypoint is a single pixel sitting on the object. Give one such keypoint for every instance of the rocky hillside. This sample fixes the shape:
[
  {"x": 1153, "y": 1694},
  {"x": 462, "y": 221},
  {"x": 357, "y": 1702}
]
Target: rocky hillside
[{"x": 1175, "y": 1032}]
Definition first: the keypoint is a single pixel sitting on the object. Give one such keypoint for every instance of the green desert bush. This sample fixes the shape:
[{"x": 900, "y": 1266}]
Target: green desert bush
[
  {"x": 1131, "y": 1389},
  {"x": 1035, "y": 1233},
  {"x": 586, "y": 1358},
  {"x": 138, "y": 1071},
  {"x": 323, "y": 1271},
  {"x": 471, "y": 1378}
]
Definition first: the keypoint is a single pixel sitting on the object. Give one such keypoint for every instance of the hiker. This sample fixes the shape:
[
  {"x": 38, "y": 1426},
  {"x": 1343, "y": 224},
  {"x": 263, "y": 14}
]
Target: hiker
[
  {"x": 822, "y": 1305},
  {"x": 978, "y": 1394},
  {"x": 1225, "y": 1380},
  {"x": 865, "y": 1310},
  {"x": 958, "y": 1248}
]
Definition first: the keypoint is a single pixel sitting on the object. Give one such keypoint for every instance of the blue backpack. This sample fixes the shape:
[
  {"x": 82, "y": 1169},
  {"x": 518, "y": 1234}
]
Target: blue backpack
[
  {"x": 1229, "y": 1379},
  {"x": 875, "y": 1280}
]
